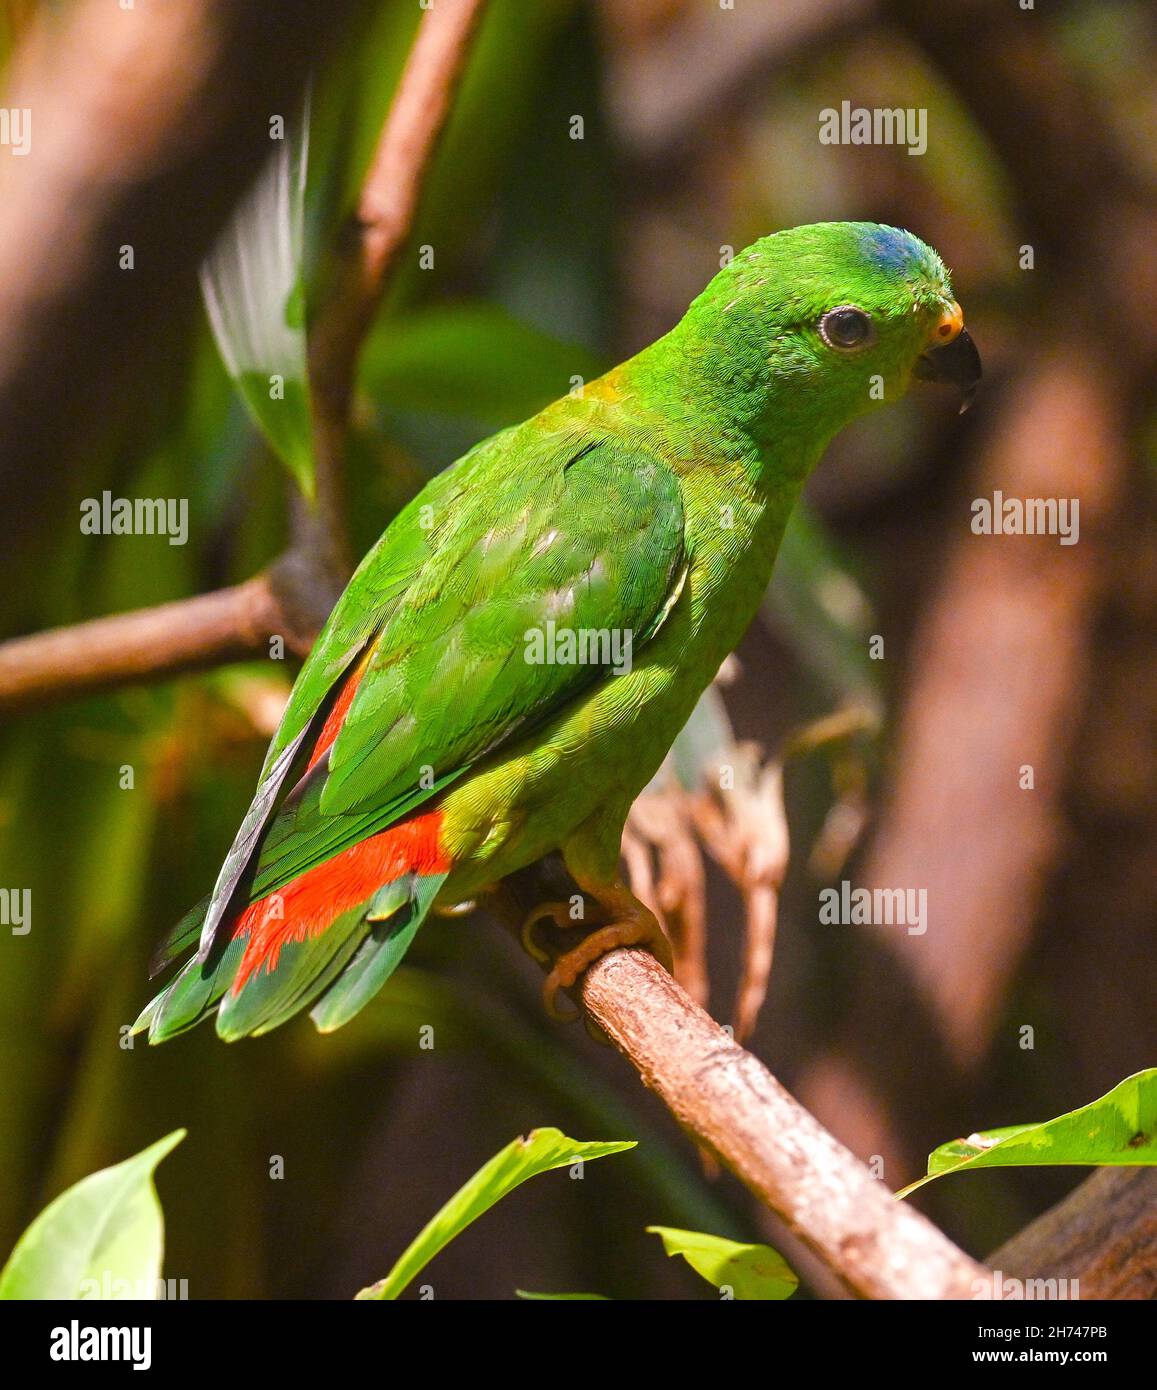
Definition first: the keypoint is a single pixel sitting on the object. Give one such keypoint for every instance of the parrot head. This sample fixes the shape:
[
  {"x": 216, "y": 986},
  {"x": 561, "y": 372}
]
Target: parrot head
[{"x": 819, "y": 324}]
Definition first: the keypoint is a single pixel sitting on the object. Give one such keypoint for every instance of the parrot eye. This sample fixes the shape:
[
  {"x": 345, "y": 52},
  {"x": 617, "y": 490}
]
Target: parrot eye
[{"x": 846, "y": 327}]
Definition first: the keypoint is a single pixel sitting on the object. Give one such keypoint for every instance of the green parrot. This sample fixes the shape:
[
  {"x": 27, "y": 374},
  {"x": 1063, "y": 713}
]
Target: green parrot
[{"x": 514, "y": 657}]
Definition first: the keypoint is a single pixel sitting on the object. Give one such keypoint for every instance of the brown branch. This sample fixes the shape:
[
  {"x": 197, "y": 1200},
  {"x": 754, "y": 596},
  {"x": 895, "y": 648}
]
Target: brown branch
[
  {"x": 390, "y": 192},
  {"x": 728, "y": 1100},
  {"x": 381, "y": 226},
  {"x": 228, "y": 625},
  {"x": 294, "y": 596},
  {"x": 290, "y": 600},
  {"x": 1103, "y": 1234},
  {"x": 731, "y": 1105}
]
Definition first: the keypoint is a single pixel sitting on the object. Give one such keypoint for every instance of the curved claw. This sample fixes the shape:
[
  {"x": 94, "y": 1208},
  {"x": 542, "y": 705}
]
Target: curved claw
[
  {"x": 550, "y": 989},
  {"x": 556, "y": 912}
]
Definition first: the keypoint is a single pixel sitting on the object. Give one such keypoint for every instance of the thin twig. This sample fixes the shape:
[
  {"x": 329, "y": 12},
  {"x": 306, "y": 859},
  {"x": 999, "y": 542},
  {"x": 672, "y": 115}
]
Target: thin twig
[{"x": 381, "y": 227}]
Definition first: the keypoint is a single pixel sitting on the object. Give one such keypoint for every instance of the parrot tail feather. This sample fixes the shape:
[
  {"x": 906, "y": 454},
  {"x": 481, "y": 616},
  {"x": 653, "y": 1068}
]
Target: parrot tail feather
[
  {"x": 317, "y": 898},
  {"x": 330, "y": 938},
  {"x": 183, "y": 937}
]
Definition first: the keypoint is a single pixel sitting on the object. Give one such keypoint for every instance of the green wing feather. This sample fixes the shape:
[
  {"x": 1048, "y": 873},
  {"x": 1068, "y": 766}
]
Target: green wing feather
[
  {"x": 373, "y": 592},
  {"x": 528, "y": 527},
  {"x": 595, "y": 543}
]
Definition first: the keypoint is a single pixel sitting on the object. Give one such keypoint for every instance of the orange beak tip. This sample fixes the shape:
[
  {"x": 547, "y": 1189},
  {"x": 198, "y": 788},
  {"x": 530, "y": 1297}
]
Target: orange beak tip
[{"x": 948, "y": 326}]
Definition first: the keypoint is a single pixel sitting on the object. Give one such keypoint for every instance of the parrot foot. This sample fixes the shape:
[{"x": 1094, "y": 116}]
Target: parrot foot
[
  {"x": 636, "y": 927},
  {"x": 559, "y": 914}
]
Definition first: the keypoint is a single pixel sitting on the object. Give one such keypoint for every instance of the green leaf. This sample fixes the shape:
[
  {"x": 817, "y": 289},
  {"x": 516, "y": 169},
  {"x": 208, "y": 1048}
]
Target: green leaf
[
  {"x": 473, "y": 360},
  {"x": 103, "y": 1237},
  {"x": 751, "y": 1272},
  {"x": 561, "y": 1297},
  {"x": 540, "y": 1151},
  {"x": 1119, "y": 1130},
  {"x": 253, "y": 291}
]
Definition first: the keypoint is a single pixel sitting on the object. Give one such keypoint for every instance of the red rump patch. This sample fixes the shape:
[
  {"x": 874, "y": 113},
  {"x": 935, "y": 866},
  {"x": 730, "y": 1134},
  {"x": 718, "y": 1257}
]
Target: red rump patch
[{"x": 305, "y": 907}]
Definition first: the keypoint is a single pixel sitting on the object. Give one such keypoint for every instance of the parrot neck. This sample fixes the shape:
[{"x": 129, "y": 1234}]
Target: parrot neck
[
  {"x": 728, "y": 396},
  {"x": 739, "y": 477}
]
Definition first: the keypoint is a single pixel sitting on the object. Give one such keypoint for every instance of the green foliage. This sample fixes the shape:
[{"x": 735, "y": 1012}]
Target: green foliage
[
  {"x": 539, "y": 1152},
  {"x": 750, "y": 1272},
  {"x": 561, "y": 1297},
  {"x": 1119, "y": 1130},
  {"x": 747, "y": 1271},
  {"x": 472, "y": 359},
  {"x": 106, "y": 1232}
]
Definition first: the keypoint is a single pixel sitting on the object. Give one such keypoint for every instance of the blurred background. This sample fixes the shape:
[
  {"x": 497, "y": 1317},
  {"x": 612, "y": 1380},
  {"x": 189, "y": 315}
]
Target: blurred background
[{"x": 554, "y": 257}]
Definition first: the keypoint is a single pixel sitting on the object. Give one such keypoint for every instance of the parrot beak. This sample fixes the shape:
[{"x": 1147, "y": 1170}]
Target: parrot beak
[{"x": 951, "y": 358}]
